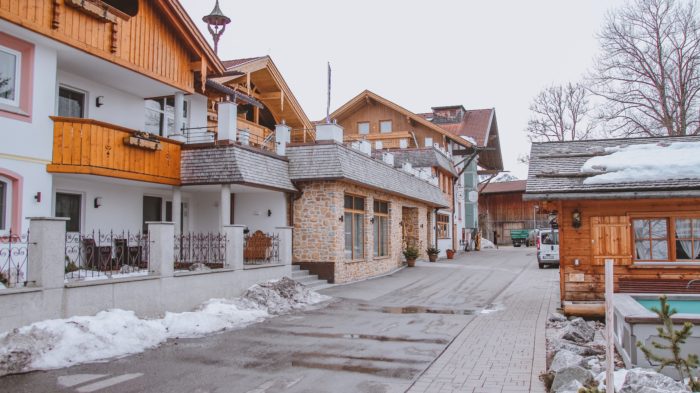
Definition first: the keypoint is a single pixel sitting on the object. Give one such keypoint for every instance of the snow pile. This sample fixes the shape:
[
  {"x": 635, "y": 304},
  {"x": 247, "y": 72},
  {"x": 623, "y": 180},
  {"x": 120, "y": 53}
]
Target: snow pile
[
  {"x": 487, "y": 244},
  {"x": 650, "y": 162},
  {"x": 116, "y": 333}
]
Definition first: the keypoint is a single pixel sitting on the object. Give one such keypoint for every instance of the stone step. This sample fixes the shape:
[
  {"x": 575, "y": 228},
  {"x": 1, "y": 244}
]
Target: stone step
[
  {"x": 300, "y": 273},
  {"x": 306, "y": 279},
  {"x": 296, "y": 268},
  {"x": 318, "y": 285}
]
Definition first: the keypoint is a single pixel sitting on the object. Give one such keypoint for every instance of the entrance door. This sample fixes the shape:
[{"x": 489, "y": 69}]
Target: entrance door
[
  {"x": 69, "y": 205},
  {"x": 152, "y": 210}
]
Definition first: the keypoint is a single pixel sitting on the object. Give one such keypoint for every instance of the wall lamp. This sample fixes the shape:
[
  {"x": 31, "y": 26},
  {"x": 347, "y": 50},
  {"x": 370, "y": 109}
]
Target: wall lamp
[
  {"x": 371, "y": 220},
  {"x": 98, "y": 202},
  {"x": 37, "y": 196},
  {"x": 576, "y": 219},
  {"x": 269, "y": 212},
  {"x": 99, "y": 101},
  {"x": 342, "y": 218}
]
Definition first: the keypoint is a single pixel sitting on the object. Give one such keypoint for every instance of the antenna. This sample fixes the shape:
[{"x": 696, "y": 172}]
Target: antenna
[{"x": 328, "y": 104}]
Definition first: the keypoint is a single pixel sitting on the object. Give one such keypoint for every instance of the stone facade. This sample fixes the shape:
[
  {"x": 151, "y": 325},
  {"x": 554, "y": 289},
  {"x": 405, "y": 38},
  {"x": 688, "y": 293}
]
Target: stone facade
[{"x": 319, "y": 235}]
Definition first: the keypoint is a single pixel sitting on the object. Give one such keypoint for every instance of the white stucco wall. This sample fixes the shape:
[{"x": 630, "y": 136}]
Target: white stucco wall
[
  {"x": 251, "y": 210},
  {"x": 203, "y": 211}
]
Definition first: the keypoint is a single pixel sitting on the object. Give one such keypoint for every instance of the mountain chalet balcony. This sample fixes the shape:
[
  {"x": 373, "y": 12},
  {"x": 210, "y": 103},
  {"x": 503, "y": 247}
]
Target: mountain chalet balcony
[
  {"x": 389, "y": 140},
  {"x": 86, "y": 146}
]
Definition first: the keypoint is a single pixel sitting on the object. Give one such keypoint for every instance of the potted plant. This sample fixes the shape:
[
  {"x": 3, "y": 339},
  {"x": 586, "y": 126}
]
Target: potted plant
[
  {"x": 432, "y": 253},
  {"x": 411, "y": 254},
  {"x": 450, "y": 253}
]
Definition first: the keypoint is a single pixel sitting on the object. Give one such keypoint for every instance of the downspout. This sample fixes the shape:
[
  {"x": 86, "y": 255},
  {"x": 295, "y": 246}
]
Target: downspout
[{"x": 435, "y": 227}]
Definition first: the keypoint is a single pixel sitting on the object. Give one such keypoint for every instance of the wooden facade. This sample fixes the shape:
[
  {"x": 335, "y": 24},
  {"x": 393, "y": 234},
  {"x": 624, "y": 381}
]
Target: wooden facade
[
  {"x": 158, "y": 41},
  {"x": 606, "y": 233},
  {"x": 502, "y": 209},
  {"x": 84, "y": 146}
]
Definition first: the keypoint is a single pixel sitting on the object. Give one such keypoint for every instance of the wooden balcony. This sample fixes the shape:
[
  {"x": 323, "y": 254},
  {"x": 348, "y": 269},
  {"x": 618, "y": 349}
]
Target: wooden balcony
[
  {"x": 390, "y": 140},
  {"x": 260, "y": 136},
  {"x": 91, "y": 147}
]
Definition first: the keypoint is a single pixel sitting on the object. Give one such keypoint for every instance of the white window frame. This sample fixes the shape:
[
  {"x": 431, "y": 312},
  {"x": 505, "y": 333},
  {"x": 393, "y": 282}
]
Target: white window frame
[
  {"x": 85, "y": 93},
  {"x": 7, "y": 211},
  {"x": 163, "y": 131},
  {"x": 18, "y": 77}
]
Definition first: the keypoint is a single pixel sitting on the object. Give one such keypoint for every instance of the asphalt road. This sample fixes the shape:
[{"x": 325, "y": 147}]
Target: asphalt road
[{"x": 377, "y": 335}]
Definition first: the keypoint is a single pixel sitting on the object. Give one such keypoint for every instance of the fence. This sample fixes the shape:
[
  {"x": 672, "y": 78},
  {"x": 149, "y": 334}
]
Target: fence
[
  {"x": 14, "y": 255},
  {"x": 101, "y": 255},
  {"x": 192, "y": 250},
  {"x": 261, "y": 248}
]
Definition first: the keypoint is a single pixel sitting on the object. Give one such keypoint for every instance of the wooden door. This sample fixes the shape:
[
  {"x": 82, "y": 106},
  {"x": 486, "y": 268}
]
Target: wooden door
[{"x": 611, "y": 239}]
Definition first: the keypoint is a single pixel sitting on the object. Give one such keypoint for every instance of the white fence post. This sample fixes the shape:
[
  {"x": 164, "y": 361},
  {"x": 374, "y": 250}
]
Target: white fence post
[
  {"x": 46, "y": 252},
  {"x": 609, "y": 327},
  {"x": 285, "y": 238},
  {"x": 161, "y": 248},
  {"x": 234, "y": 246}
]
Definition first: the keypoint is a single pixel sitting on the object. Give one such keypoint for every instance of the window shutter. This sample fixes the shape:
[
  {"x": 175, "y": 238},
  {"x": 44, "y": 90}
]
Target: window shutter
[{"x": 611, "y": 239}]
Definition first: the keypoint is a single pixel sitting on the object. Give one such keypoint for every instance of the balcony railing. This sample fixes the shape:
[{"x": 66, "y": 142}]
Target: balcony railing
[{"x": 87, "y": 146}]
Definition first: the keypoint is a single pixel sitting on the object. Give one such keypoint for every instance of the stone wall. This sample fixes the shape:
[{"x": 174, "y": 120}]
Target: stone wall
[{"x": 319, "y": 237}]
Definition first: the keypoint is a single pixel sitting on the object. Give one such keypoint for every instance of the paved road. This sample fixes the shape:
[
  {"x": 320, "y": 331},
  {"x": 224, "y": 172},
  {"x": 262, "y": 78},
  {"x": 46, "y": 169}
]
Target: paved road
[{"x": 454, "y": 326}]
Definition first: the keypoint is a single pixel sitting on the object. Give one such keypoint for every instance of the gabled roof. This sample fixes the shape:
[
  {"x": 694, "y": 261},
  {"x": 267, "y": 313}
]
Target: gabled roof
[
  {"x": 263, "y": 70},
  {"x": 358, "y": 100},
  {"x": 556, "y": 172},
  {"x": 481, "y": 126},
  {"x": 504, "y": 186},
  {"x": 329, "y": 160}
]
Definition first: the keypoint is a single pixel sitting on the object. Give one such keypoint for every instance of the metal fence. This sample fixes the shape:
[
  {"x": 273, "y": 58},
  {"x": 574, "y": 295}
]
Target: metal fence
[
  {"x": 14, "y": 254},
  {"x": 99, "y": 255},
  {"x": 261, "y": 248},
  {"x": 192, "y": 250}
]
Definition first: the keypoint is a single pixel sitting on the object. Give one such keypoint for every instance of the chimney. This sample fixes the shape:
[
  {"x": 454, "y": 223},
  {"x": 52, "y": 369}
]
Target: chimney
[
  {"x": 244, "y": 137},
  {"x": 329, "y": 132},
  {"x": 428, "y": 142},
  {"x": 403, "y": 143},
  {"x": 228, "y": 121},
  {"x": 283, "y": 135},
  {"x": 366, "y": 148},
  {"x": 379, "y": 145},
  {"x": 407, "y": 167},
  {"x": 388, "y": 158}
]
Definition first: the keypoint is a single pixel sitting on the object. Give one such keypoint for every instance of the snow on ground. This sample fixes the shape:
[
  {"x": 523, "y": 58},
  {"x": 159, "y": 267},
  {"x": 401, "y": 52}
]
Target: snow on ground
[
  {"x": 116, "y": 333},
  {"x": 486, "y": 244},
  {"x": 649, "y": 162}
]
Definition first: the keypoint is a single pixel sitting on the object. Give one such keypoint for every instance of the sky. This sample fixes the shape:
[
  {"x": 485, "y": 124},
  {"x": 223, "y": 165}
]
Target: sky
[{"x": 419, "y": 54}]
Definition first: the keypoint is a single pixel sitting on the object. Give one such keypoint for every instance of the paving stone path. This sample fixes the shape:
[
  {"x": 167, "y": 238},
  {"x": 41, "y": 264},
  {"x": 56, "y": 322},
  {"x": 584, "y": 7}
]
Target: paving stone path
[{"x": 501, "y": 351}]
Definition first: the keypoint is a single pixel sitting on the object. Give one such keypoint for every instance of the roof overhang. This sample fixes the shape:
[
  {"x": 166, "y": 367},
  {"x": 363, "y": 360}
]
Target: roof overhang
[{"x": 570, "y": 196}]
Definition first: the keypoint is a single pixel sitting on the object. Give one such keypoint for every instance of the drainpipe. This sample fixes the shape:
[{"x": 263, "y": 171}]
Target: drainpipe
[{"x": 435, "y": 227}]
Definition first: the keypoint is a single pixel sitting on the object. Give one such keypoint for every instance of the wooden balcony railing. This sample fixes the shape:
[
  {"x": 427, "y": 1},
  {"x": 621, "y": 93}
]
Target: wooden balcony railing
[
  {"x": 390, "y": 140},
  {"x": 260, "y": 136},
  {"x": 87, "y": 146}
]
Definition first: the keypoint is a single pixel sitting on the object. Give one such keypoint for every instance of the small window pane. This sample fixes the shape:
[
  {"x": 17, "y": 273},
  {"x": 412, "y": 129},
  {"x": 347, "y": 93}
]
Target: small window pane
[
  {"x": 348, "y": 235},
  {"x": 385, "y": 126},
  {"x": 683, "y": 228},
  {"x": 659, "y": 250},
  {"x": 359, "y": 244},
  {"x": 658, "y": 229},
  {"x": 348, "y": 202},
  {"x": 8, "y": 76},
  {"x": 641, "y": 228},
  {"x": 643, "y": 249},
  {"x": 363, "y": 128},
  {"x": 71, "y": 103},
  {"x": 359, "y": 203}
]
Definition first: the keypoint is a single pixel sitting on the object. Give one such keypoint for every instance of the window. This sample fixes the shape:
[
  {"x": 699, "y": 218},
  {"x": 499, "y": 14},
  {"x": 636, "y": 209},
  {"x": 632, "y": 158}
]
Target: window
[
  {"x": 160, "y": 115},
  {"x": 10, "y": 61},
  {"x": 354, "y": 227},
  {"x": 687, "y": 238},
  {"x": 363, "y": 127},
  {"x": 152, "y": 210},
  {"x": 443, "y": 223},
  {"x": 385, "y": 126},
  {"x": 651, "y": 239},
  {"x": 71, "y": 103},
  {"x": 3, "y": 206},
  {"x": 69, "y": 205},
  {"x": 381, "y": 229}
]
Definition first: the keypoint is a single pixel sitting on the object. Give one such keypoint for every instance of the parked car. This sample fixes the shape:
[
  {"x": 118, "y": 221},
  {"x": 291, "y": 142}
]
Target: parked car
[{"x": 547, "y": 241}]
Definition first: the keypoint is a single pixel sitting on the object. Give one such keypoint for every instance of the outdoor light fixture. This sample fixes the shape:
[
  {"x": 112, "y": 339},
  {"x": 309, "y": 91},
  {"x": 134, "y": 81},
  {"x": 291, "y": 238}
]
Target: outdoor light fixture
[
  {"x": 576, "y": 219},
  {"x": 342, "y": 219},
  {"x": 99, "y": 101},
  {"x": 98, "y": 202},
  {"x": 371, "y": 220},
  {"x": 269, "y": 212},
  {"x": 37, "y": 196}
]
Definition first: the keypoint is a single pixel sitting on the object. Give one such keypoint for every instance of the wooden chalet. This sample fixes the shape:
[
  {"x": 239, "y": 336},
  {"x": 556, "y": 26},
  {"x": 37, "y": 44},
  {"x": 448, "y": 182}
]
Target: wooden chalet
[
  {"x": 629, "y": 200},
  {"x": 502, "y": 209}
]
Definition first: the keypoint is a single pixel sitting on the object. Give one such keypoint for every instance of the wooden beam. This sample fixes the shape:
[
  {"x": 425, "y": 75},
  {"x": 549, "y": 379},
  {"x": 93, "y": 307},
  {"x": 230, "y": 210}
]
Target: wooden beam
[
  {"x": 271, "y": 96},
  {"x": 196, "y": 65}
]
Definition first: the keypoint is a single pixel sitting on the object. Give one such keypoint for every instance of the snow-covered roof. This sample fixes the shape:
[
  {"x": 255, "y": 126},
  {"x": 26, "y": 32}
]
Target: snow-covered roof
[{"x": 659, "y": 167}]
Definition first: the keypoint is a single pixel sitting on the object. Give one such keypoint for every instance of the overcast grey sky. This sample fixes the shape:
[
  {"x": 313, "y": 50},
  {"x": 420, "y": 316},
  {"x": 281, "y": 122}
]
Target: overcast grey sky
[{"x": 419, "y": 54}]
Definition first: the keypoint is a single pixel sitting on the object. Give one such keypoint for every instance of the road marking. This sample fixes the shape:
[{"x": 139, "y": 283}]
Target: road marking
[
  {"x": 78, "y": 379},
  {"x": 108, "y": 382}
]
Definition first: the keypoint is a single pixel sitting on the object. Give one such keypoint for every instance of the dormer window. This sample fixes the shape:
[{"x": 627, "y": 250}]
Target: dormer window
[{"x": 385, "y": 126}]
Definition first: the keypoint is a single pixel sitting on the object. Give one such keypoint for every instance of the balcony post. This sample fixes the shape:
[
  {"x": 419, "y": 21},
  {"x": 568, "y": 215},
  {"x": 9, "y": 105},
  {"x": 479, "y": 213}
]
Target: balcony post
[
  {"x": 228, "y": 121},
  {"x": 234, "y": 246},
  {"x": 225, "y": 204},
  {"x": 177, "y": 133},
  {"x": 177, "y": 210},
  {"x": 282, "y": 137}
]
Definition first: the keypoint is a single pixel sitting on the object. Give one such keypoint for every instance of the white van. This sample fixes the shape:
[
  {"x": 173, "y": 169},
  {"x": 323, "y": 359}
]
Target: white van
[{"x": 547, "y": 241}]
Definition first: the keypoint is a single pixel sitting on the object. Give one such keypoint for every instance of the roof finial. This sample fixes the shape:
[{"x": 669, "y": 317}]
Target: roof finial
[{"x": 216, "y": 23}]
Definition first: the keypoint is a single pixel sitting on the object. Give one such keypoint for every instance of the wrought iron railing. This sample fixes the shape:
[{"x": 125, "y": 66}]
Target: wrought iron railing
[
  {"x": 200, "y": 134},
  {"x": 196, "y": 250},
  {"x": 101, "y": 255},
  {"x": 14, "y": 254},
  {"x": 261, "y": 248}
]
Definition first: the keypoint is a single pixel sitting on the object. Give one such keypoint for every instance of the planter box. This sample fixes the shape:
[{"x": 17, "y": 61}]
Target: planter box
[{"x": 142, "y": 143}]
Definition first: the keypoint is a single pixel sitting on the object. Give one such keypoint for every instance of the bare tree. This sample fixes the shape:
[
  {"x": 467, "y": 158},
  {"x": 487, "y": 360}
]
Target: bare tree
[
  {"x": 561, "y": 113},
  {"x": 648, "y": 69}
]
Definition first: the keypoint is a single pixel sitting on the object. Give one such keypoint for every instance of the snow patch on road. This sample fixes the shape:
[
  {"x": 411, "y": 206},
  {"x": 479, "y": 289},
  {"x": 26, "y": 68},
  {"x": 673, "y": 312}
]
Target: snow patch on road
[
  {"x": 487, "y": 244},
  {"x": 117, "y": 333}
]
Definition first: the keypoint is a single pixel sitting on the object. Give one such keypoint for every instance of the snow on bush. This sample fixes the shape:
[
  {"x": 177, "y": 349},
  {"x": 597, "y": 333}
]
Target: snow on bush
[
  {"x": 116, "y": 333},
  {"x": 649, "y": 162}
]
